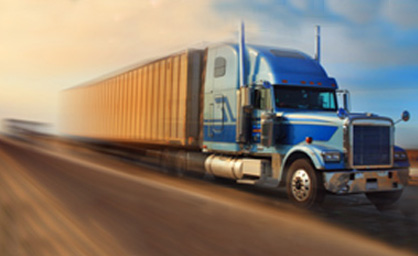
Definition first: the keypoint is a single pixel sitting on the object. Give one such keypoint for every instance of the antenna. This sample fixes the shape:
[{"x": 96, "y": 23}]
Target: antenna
[{"x": 318, "y": 43}]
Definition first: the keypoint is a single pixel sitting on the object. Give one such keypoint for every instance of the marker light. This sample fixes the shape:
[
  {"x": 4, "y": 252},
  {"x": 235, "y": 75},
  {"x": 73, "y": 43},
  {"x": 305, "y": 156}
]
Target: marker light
[
  {"x": 308, "y": 140},
  {"x": 319, "y": 83},
  {"x": 284, "y": 81},
  {"x": 400, "y": 156},
  {"x": 303, "y": 82},
  {"x": 311, "y": 83}
]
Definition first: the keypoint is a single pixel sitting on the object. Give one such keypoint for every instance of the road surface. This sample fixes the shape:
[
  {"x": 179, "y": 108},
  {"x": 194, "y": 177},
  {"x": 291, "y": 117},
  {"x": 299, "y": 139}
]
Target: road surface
[{"x": 61, "y": 200}]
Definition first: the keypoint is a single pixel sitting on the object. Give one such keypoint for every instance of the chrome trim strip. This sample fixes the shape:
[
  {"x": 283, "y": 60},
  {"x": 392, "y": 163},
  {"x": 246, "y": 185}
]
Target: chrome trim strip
[
  {"x": 348, "y": 182},
  {"x": 310, "y": 123}
]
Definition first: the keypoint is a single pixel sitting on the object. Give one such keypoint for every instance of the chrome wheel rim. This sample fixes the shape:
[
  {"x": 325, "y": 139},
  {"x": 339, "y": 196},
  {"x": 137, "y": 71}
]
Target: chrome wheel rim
[{"x": 301, "y": 185}]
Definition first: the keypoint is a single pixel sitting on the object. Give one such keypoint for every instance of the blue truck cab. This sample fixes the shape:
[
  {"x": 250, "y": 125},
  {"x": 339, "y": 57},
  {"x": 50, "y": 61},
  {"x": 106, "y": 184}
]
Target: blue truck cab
[{"x": 282, "y": 125}]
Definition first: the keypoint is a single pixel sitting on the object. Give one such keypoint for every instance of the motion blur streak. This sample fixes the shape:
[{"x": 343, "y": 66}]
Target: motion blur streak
[
  {"x": 35, "y": 222},
  {"x": 53, "y": 206}
]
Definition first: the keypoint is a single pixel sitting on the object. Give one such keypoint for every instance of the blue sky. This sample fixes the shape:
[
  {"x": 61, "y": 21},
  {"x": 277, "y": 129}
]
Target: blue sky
[{"x": 370, "y": 47}]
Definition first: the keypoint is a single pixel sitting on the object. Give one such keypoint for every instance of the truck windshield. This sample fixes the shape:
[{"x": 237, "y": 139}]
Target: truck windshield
[{"x": 305, "y": 98}]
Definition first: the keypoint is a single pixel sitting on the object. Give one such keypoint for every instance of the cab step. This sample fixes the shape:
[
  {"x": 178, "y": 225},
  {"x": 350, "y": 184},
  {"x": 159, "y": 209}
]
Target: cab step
[{"x": 247, "y": 181}]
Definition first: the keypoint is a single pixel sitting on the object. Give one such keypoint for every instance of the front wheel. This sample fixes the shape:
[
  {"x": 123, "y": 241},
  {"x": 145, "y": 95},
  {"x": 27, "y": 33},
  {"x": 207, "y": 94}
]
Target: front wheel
[
  {"x": 304, "y": 184},
  {"x": 384, "y": 200}
]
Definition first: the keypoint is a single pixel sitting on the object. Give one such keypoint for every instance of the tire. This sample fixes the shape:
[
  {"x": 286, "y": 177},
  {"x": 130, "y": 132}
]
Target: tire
[
  {"x": 304, "y": 185},
  {"x": 180, "y": 164},
  {"x": 384, "y": 200},
  {"x": 167, "y": 160}
]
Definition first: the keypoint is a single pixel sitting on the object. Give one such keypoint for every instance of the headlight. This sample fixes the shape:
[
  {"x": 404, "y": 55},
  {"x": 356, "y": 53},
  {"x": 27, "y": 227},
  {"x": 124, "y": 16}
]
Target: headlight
[
  {"x": 331, "y": 156},
  {"x": 400, "y": 156}
]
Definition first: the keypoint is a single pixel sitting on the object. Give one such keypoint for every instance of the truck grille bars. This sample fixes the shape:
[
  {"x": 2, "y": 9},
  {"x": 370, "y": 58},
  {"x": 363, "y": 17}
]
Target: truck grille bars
[{"x": 370, "y": 143}]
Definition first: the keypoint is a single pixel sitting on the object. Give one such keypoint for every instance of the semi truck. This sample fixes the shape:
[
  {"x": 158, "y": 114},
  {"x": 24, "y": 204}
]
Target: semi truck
[{"x": 258, "y": 115}]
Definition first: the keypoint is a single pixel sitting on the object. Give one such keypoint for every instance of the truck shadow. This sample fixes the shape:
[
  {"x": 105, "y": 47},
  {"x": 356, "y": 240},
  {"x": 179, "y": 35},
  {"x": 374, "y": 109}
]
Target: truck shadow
[{"x": 397, "y": 226}]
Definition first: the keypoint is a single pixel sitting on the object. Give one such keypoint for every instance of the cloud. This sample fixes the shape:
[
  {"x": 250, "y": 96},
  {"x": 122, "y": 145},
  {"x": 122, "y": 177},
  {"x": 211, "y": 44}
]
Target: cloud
[
  {"x": 51, "y": 45},
  {"x": 356, "y": 11},
  {"x": 353, "y": 31},
  {"x": 402, "y": 13},
  {"x": 309, "y": 7},
  {"x": 302, "y": 5},
  {"x": 70, "y": 36}
]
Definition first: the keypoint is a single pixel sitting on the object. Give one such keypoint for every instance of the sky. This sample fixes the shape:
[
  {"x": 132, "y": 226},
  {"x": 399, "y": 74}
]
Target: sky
[{"x": 370, "y": 47}]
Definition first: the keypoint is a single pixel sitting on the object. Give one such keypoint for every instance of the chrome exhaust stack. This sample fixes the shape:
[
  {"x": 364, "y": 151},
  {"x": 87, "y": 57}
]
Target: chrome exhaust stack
[{"x": 317, "y": 44}]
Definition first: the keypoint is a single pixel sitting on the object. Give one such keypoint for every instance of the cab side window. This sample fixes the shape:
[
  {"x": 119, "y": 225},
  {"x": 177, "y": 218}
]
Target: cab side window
[
  {"x": 327, "y": 100},
  {"x": 220, "y": 67}
]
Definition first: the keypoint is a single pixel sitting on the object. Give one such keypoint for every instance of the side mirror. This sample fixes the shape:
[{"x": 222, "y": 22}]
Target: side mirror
[
  {"x": 344, "y": 99},
  {"x": 404, "y": 117}
]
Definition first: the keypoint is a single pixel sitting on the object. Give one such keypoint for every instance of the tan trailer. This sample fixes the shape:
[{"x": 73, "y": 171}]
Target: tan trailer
[{"x": 155, "y": 103}]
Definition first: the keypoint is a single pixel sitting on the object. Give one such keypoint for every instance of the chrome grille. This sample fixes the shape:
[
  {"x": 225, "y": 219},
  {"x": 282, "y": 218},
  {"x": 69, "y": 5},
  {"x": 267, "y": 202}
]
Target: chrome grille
[
  {"x": 372, "y": 145},
  {"x": 368, "y": 142}
]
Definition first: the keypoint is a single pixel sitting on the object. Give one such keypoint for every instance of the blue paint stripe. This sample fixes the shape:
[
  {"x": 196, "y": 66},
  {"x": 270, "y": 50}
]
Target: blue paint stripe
[
  {"x": 294, "y": 134},
  {"x": 217, "y": 133},
  {"x": 289, "y": 134},
  {"x": 294, "y": 119}
]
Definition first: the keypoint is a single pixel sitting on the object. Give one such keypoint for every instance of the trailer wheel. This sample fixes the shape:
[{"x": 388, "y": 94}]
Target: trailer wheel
[
  {"x": 304, "y": 184},
  {"x": 181, "y": 166},
  {"x": 167, "y": 160},
  {"x": 384, "y": 200}
]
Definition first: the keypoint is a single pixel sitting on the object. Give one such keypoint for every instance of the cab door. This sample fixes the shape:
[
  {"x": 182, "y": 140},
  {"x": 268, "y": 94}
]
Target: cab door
[{"x": 220, "y": 98}]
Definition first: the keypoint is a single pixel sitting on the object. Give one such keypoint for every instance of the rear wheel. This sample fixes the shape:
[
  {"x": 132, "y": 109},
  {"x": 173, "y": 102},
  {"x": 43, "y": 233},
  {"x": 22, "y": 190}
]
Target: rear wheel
[
  {"x": 304, "y": 184},
  {"x": 180, "y": 164},
  {"x": 384, "y": 200}
]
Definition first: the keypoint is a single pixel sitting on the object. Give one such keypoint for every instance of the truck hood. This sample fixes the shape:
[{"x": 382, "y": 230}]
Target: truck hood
[
  {"x": 322, "y": 126},
  {"x": 320, "y": 118}
]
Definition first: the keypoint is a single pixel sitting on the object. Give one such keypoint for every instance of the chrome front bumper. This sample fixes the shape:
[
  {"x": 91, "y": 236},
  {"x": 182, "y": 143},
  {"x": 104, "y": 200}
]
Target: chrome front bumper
[{"x": 360, "y": 181}]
